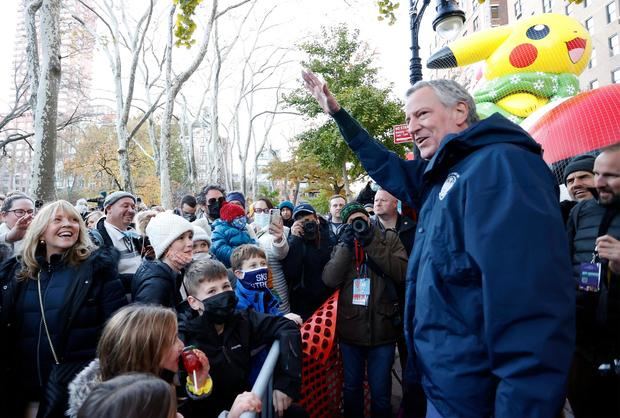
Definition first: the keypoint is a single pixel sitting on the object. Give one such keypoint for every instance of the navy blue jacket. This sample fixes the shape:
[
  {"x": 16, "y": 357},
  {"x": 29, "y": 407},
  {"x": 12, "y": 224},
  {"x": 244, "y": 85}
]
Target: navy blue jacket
[
  {"x": 489, "y": 279},
  {"x": 93, "y": 295}
]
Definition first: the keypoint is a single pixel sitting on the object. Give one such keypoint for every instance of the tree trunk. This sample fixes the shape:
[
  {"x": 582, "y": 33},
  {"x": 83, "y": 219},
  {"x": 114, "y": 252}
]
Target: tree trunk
[
  {"x": 296, "y": 194},
  {"x": 32, "y": 51},
  {"x": 44, "y": 160},
  {"x": 345, "y": 177}
]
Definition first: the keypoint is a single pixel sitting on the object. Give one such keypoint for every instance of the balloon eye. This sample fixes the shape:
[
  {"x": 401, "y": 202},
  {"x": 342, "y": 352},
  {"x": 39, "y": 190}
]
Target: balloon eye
[{"x": 537, "y": 32}]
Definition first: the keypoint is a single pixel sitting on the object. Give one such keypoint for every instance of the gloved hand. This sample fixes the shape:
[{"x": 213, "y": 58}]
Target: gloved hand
[
  {"x": 365, "y": 238},
  {"x": 347, "y": 237}
]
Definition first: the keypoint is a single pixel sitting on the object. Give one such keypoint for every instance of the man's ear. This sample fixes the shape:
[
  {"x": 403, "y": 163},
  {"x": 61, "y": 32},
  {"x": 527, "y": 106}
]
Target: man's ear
[
  {"x": 238, "y": 274},
  {"x": 461, "y": 111}
]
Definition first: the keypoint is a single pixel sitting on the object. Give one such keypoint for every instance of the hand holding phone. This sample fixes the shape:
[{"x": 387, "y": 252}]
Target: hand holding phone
[{"x": 275, "y": 224}]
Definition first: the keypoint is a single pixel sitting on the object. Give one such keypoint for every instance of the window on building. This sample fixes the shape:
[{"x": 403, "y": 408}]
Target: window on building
[
  {"x": 494, "y": 11},
  {"x": 593, "y": 84},
  {"x": 589, "y": 25},
  {"x": 592, "y": 62},
  {"x": 568, "y": 9},
  {"x": 614, "y": 45},
  {"x": 615, "y": 76},
  {"x": 612, "y": 12},
  {"x": 476, "y": 24},
  {"x": 518, "y": 9},
  {"x": 546, "y": 6}
]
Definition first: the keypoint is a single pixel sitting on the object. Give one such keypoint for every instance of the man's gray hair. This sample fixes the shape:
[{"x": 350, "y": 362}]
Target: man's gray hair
[{"x": 449, "y": 93}]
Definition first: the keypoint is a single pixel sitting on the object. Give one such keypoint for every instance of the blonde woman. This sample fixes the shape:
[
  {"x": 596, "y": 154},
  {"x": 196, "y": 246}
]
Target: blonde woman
[
  {"x": 54, "y": 300},
  {"x": 143, "y": 339}
]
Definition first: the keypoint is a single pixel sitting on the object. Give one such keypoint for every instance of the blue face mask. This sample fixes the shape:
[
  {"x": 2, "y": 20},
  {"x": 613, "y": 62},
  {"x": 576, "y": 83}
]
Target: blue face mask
[
  {"x": 255, "y": 279},
  {"x": 239, "y": 222}
]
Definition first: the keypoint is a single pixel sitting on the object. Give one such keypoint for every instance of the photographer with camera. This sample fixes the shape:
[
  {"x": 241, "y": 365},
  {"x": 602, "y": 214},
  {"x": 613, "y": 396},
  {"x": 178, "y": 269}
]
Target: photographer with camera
[
  {"x": 310, "y": 247},
  {"x": 367, "y": 267}
]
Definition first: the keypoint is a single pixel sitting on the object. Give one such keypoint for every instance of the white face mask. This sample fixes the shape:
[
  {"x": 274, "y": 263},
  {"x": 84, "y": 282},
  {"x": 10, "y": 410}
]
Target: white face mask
[
  {"x": 201, "y": 256},
  {"x": 261, "y": 219}
]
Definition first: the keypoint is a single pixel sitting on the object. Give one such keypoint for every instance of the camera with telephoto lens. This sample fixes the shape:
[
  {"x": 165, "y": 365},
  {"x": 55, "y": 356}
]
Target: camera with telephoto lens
[
  {"x": 310, "y": 228},
  {"x": 360, "y": 226}
]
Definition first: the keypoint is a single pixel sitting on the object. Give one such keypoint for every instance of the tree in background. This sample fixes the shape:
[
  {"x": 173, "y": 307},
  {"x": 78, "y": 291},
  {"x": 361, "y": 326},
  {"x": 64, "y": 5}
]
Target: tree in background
[
  {"x": 94, "y": 165},
  {"x": 346, "y": 63}
]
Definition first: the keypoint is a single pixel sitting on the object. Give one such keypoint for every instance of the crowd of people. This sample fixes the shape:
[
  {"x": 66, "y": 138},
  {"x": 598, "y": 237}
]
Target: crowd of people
[{"x": 122, "y": 310}]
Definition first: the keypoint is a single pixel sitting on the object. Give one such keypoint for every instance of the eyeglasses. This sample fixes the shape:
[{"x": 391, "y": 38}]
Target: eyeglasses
[
  {"x": 259, "y": 210},
  {"x": 214, "y": 200},
  {"x": 21, "y": 212}
]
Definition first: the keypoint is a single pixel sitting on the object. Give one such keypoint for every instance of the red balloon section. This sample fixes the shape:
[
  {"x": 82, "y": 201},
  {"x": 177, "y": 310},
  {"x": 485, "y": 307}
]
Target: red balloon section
[{"x": 586, "y": 122}]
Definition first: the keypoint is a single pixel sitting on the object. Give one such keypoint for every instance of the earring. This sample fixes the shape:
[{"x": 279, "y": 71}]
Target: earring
[{"x": 42, "y": 242}]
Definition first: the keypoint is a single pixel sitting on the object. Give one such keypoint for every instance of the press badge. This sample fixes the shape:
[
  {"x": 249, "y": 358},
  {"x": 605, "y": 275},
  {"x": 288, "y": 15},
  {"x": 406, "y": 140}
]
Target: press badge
[
  {"x": 590, "y": 277},
  {"x": 361, "y": 291}
]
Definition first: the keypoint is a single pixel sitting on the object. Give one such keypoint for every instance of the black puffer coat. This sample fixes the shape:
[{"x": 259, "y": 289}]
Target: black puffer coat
[
  {"x": 93, "y": 295},
  {"x": 156, "y": 283}
]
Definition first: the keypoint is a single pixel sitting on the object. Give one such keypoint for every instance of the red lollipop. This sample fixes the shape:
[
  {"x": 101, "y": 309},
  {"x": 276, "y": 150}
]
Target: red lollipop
[{"x": 191, "y": 362}]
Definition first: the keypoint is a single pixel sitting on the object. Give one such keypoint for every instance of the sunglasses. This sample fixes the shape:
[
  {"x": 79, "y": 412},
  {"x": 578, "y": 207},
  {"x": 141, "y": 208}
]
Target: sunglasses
[{"x": 214, "y": 200}]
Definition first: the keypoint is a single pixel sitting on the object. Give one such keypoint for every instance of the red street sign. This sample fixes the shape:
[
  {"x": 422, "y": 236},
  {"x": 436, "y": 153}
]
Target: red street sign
[{"x": 401, "y": 135}]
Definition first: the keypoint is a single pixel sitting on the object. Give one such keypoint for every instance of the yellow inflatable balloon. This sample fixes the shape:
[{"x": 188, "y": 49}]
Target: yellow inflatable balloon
[{"x": 528, "y": 64}]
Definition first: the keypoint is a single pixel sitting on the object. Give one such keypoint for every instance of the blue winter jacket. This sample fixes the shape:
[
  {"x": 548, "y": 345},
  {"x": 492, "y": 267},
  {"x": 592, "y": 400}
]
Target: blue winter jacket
[
  {"x": 225, "y": 238},
  {"x": 490, "y": 301}
]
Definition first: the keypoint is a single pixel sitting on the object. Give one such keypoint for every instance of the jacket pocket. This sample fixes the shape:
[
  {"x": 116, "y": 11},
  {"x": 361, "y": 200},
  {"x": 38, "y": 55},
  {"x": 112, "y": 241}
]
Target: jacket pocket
[{"x": 453, "y": 263}]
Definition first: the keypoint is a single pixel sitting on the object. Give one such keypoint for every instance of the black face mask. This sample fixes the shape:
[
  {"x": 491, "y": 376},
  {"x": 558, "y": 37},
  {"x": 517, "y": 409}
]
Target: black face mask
[
  {"x": 214, "y": 210},
  {"x": 190, "y": 217},
  {"x": 220, "y": 307}
]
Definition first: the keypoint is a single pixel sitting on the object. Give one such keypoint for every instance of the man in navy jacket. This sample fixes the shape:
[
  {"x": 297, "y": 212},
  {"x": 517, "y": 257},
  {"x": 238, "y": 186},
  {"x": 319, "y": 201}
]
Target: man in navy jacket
[{"x": 489, "y": 316}]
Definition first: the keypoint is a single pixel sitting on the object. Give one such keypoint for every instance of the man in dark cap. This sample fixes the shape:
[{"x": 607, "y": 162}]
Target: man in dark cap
[
  {"x": 579, "y": 177},
  {"x": 368, "y": 267},
  {"x": 310, "y": 248},
  {"x": 115, "y": 230}
]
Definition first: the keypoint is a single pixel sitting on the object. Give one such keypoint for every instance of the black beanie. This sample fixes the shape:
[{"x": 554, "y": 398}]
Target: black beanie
[{"x": 579, "y": 163}]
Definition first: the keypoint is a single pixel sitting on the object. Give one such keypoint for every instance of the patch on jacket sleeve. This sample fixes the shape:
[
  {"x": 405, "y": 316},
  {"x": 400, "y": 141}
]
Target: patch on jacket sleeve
[{"x": 447, "y": 185}]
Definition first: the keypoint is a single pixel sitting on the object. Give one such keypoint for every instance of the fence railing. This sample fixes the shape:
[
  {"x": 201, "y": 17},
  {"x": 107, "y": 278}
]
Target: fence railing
[{"x": 263, "y": 387}]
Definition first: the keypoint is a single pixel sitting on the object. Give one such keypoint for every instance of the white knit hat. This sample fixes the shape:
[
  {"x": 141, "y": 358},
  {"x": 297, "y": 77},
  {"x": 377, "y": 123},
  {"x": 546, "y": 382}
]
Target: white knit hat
[
  {"x": 201, "y": 235},
  {"x": 163, "y": 229}
]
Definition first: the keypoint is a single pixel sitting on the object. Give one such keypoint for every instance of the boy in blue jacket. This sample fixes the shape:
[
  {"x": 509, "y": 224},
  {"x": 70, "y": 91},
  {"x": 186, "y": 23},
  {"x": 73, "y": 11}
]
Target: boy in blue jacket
[{"x": 229, "y": 232}]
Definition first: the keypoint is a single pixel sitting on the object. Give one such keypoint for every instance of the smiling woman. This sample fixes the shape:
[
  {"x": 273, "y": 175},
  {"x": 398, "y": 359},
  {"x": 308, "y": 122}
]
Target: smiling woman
[{"x": 55, "y": 297}]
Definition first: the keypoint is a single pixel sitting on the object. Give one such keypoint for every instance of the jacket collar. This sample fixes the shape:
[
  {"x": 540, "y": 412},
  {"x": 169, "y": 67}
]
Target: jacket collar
[{"x": 495, "y": 129}]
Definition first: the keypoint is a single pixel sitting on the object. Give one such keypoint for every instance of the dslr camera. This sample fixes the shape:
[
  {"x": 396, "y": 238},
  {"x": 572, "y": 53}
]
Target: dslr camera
[
  {"x": 360, "y": 226},
  {"x": 310, "y": 228}
]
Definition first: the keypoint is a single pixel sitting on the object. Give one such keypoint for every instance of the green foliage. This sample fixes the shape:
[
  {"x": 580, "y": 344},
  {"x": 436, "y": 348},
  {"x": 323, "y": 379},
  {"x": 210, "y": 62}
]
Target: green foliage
[
  {"x": 386, "y": 10},
  {"x": 320, "y": 203},
  {"x": 346, "y": 64},
  {"x": 273, "y": 195},
  {"x": 185, "y": 25}
]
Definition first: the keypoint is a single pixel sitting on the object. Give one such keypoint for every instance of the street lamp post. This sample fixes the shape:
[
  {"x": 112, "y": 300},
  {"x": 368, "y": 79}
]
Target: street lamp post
[
  {"x": 415, "y": 16},
  {"x": 447, "y": 24}
]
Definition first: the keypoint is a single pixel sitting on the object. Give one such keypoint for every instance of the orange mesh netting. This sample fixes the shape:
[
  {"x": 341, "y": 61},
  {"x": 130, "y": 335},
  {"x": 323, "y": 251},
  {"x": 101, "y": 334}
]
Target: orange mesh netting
[{"x": 322, "y": 375}]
